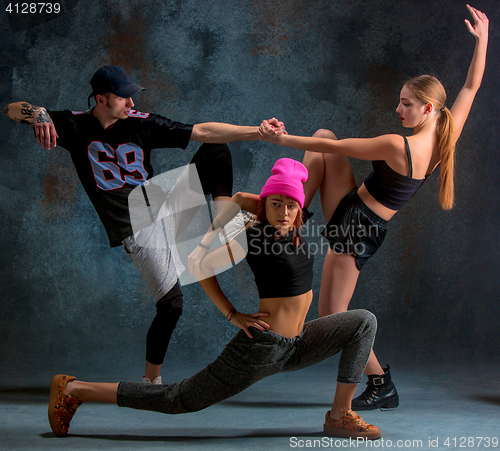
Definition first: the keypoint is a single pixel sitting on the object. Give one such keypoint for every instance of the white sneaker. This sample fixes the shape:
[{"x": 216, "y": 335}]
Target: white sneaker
[
  {"x": 238, "y": 224},
  {"x": 156, "y": 380}
]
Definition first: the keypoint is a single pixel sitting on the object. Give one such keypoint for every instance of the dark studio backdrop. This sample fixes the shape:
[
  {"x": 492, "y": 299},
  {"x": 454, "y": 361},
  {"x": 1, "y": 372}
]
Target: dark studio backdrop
[{"x": 68, "y": 301}]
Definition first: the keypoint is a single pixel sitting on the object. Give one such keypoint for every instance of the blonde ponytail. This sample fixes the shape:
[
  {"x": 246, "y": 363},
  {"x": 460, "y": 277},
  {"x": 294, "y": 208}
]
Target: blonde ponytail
[
  {"x": 428, "y": 89},
  {"x": 446, "y": 146}
]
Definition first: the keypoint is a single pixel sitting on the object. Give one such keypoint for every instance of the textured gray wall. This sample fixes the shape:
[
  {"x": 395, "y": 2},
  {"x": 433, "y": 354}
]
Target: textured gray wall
[{"x": 70, "y": 301}]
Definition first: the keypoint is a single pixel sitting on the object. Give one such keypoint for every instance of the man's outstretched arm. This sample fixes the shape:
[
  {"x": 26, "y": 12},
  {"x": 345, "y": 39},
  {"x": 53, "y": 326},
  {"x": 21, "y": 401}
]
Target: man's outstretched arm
[
  {"x": 218, "y": 132},
  {"x": 38, "y": 118}
]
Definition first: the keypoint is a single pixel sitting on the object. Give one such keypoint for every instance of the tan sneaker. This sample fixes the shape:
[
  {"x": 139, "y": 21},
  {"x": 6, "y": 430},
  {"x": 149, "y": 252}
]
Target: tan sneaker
[
  {"x": 61, "y": 406},
  {"x": 351, "y": 425}
]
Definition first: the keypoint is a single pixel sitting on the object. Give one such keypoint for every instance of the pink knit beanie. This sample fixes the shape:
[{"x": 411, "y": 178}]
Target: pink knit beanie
[{"x": 287, "y": 179}]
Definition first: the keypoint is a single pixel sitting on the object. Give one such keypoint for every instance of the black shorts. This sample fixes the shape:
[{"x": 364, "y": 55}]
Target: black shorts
[{"x": 355, "y": 229}]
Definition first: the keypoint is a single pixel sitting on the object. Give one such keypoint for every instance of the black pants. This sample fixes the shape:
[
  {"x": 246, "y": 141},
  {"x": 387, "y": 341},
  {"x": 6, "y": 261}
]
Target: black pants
[{"x": 215, "y": 170}]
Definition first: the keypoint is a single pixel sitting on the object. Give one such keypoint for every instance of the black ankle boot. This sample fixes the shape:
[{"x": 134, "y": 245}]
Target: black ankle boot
[{"x": 380, "y": 393}]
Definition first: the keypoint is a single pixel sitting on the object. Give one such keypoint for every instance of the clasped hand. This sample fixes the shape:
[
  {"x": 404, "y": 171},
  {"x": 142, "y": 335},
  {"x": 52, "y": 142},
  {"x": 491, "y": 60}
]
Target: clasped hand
[{"x": 271, "y": 128}]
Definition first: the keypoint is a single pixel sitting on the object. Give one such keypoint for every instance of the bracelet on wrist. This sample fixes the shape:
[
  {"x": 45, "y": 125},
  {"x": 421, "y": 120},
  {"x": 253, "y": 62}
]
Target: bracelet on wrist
[
  {"x": 204, "y": 246},
  {"x": 231, "y": 314}
]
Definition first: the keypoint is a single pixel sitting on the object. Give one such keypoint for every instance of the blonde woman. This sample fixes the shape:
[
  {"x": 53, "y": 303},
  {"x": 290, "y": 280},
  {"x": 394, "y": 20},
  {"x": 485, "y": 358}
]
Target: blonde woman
[{"x": 357, "y": 217}]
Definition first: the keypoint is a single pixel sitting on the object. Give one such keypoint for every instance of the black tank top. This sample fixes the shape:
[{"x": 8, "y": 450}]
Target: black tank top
[
  {"x": 280, "y": 268},
  {"x": 389, "y": 187}
]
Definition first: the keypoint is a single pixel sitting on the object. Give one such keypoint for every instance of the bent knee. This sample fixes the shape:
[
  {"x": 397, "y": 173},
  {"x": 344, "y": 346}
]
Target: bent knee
[
  {"x": 324, "y": 133},
  {"x": 170, "y": 306},
  {"x": 220, "y": 151},
  {"x": 368, "y": 319}
]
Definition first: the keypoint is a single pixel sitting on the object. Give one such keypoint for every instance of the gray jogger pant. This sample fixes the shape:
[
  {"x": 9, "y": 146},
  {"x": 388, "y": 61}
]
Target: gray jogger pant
[{"x": 244, "y": 361}]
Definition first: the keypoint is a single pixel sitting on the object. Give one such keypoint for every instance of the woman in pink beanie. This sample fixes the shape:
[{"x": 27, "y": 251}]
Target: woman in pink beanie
[
  {"x": 275, "y": 339},
  {"x": 357, "y": 218}
]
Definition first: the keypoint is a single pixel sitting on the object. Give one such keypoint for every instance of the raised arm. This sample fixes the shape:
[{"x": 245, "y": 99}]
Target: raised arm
[
  {"x": 379, "y": 148},
  {"x": 463, "y": 103},
  {"x": 217, "y": 132},
  {"x": 38, "y": 118}
]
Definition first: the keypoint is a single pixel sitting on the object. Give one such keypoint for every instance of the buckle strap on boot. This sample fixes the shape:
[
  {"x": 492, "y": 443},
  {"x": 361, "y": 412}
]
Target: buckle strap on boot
[{"x": 378, "y": 380}]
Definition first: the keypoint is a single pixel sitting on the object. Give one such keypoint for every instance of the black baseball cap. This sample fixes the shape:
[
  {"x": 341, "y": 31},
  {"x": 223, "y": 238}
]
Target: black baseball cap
[{"x": 113, "y": 79}]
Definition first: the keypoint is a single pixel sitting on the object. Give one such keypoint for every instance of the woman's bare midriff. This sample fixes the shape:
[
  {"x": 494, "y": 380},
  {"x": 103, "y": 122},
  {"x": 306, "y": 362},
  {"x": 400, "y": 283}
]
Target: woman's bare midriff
[
  {"x": 375, "y": 205},
  {"x": 286, "y": 315}
]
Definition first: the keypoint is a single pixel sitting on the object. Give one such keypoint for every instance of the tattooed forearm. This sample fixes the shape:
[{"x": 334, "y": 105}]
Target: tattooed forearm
[
  {"x": 26, "y": 113},
  {"x": 29, "y": 110},
  {"x": 38, "y": 118}
]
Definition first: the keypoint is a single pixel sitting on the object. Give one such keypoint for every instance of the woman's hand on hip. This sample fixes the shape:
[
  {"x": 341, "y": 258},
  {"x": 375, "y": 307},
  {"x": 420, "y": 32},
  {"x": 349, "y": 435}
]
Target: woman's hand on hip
[{"x": 246, "y": 320}]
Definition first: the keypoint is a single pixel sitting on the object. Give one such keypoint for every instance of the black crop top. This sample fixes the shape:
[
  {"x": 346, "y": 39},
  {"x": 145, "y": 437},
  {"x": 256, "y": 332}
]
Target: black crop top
[
  {"x": 280, "y": 268},
  {"x": 389, "y": 187}
]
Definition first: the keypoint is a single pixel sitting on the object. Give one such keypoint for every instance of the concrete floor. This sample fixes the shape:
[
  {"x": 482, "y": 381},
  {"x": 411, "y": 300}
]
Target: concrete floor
[{"x": 451, "y": 407}]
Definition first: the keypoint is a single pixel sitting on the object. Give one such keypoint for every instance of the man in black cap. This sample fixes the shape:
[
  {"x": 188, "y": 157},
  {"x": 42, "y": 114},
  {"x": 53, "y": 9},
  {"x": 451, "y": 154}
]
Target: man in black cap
[{"x": 110, "y": 146}]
